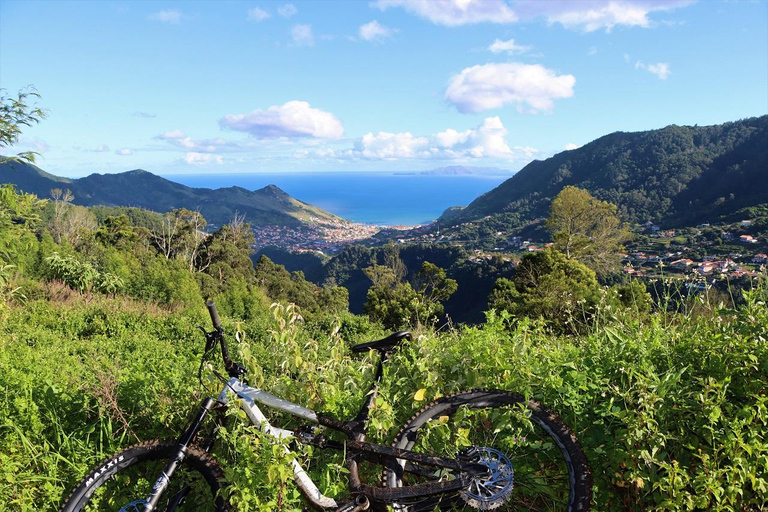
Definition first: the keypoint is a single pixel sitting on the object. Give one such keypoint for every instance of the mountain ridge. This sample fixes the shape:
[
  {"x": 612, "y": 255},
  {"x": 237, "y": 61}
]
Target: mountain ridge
[
  {"x": 673, "y": 175},
  {"x": 140, "y": 188}
]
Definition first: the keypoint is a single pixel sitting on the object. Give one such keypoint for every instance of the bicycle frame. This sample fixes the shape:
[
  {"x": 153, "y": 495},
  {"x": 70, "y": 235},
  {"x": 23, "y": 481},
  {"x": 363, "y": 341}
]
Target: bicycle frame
[{"x": 249, "y": 397}]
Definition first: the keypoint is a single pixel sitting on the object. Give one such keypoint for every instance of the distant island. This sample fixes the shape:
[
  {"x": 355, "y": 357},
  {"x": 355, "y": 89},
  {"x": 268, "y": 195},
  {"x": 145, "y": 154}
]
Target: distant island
[{"x": 463, "y": 170}]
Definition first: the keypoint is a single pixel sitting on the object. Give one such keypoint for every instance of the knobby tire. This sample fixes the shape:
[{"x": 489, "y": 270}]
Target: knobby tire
[
  {"x": 129, "y": 475},
  {"x": 549, "y": 473}
]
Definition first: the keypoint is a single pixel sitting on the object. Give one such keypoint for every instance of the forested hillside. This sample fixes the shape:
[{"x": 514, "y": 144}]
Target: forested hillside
[
  {"x": 142, "y": 189},
  {"x": 678, "y": 175}
]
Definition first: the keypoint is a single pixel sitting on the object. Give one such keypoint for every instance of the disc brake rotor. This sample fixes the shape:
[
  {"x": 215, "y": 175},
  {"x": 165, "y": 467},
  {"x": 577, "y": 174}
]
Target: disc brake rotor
[{"x": 492, "y": 489}]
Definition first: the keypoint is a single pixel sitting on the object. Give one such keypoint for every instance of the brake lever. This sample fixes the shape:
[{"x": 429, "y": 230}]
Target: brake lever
[{"x": 210, "y": 338}]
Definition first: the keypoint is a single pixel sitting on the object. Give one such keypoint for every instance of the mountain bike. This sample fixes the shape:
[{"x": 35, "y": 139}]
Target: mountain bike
[{"x": 481, "y": 449}]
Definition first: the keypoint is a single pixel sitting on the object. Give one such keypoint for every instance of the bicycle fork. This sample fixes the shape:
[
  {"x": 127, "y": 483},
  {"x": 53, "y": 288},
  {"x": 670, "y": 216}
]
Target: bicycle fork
[{"x": 161, "y": 484}]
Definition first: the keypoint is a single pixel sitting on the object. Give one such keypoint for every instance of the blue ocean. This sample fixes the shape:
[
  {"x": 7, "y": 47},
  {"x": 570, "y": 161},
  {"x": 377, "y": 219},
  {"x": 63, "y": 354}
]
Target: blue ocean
[{"x": 370, "y": 198}]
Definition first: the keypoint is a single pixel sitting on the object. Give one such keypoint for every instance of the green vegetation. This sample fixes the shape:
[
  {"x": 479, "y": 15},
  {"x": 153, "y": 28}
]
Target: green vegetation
[
  {"x": 671, "y": 408},
  {"x": 563, "y": 293},
  {"x": 16, "y": 113},
  {"x": 397, "y": 304},
  {"x": 678, "y": 175},
  {"x": 586, "y": 229},
  {"x": 139, "y": 188},
  {"x": 474, "y": 277},
  {"x": 99, "y": 348},
  {"x": 291, "y": 288}
]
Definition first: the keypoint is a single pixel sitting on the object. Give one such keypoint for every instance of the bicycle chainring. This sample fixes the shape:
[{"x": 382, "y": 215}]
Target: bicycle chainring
[
  {"x": 492, "y": 489},
  {"x": 134, "y": 506}
]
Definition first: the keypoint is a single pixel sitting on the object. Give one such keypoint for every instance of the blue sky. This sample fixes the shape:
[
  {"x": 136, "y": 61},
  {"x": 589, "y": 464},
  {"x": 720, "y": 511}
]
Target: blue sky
[{"x": 383, "y": 85}]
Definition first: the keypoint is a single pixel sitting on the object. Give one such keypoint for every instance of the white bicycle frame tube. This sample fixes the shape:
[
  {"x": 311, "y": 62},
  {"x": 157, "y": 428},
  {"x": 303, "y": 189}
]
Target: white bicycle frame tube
[{"x": 249, "y": 397}]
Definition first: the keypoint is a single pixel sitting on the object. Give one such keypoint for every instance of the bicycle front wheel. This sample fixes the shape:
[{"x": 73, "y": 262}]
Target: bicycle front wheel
[
  {"x": 529, "y": 460},
  {"x": 122, "y": 482}
]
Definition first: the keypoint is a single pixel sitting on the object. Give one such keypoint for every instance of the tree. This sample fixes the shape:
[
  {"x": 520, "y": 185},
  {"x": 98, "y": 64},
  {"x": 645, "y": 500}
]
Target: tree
[
  {"x": 16, "y": 113},
  {"x": 433, "y": 288},
  {"x": 291, "y": 287},
  {"x": 394, "y": 307},
  {"x": 117, "y": 231},
  {"x": 226, "y": 254},
  {"x": 20, "y": 214},
  {"x": 396, "y": 303},
  {"x": 547, "y": 285},
  {"x": 587, "y": 229},
  {"x": 78, "y": 221},
  {"x": 180, "y": 234},
  {"x": 61, "y": 200}
]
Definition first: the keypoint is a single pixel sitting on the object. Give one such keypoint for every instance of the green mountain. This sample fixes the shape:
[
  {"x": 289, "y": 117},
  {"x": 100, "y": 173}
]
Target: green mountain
[
  {"x": 678, "y": 175},
  {"x": 139, "y": 188}
]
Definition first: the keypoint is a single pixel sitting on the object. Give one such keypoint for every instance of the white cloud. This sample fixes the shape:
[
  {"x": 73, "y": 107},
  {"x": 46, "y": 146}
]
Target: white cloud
[
  {"x": 453, "y": 13},
  {"x": 592, "y": 51},
  {"x": 179, "y": 139},
  {"x": 604, "y": 16},
  {"x": 373, "y": 31},
  {"x": 509, "y": 47},
  {"x": 293, "y": 119},
  {"x": 392, "y": 146},
  {"x": 257, "y": 14},
  {"x": 146, "y": 115},
  {"x": 661, "y": 69},
  {"x": 124, "y": 152},
  {"x": 451, "y": 137},
  {"x": 302, "y": 35},
  {"x": 287, "y": 10},
  {"x": 37, "y": 145},
  {"x": 486, "y": 141},
  {"x": 531, "y": 87},
  {"x": 571, "y": 145},
  {"x": 596, "y": 14},
  {"x": 193, "y": 158},
  {"x": 101, "y": 149},
  {"x": 172, "y": 135},
  {"x": 172, "y": 16},
  {"x": 587, "y": 16},
  {"x": 318, "y": 153}
]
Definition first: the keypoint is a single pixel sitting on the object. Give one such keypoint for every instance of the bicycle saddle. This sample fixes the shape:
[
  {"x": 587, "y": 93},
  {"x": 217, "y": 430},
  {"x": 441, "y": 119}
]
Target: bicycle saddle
[{"x": 384, "y": 344}]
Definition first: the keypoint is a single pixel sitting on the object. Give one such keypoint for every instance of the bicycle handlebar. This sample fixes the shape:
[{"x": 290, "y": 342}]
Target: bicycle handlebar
[
  {"x": 233, "y": 369},
  {"x": 214, "y": 315}
]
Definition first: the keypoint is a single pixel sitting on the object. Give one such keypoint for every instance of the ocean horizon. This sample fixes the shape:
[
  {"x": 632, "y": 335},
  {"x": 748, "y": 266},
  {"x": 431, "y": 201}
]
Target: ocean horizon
[{"x": 383, "y": 199}]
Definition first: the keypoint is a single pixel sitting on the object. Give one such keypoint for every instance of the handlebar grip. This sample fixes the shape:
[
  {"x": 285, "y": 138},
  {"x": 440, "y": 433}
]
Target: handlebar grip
[{"x": 214, "y": 315}]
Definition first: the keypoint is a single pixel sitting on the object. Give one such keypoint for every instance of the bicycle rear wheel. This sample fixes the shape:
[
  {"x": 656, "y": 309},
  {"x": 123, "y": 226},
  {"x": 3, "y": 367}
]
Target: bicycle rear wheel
[
  {"x": 123, "y": 481},
  {"x": 532, "y": 460}
]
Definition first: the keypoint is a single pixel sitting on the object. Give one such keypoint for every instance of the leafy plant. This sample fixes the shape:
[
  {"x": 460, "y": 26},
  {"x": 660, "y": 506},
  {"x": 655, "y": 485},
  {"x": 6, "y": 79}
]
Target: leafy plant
[
  {"x": 16, "y": 113},
  {"x": 82, "y": 276}
]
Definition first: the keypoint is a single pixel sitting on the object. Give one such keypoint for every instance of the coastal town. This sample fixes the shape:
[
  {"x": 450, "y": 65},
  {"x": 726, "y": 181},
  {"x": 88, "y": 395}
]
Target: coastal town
[
  {"x": 327, "y": 237},
  {"x": 700, "y": 256}
]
